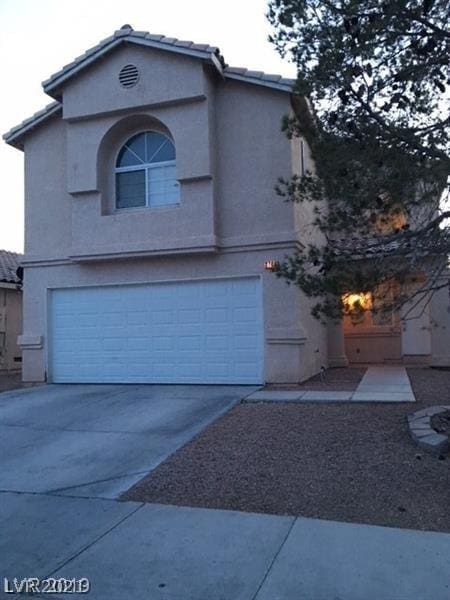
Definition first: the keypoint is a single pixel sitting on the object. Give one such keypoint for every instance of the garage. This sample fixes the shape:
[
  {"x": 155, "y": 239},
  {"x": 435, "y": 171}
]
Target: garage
[{"x": 182, "y": 332}]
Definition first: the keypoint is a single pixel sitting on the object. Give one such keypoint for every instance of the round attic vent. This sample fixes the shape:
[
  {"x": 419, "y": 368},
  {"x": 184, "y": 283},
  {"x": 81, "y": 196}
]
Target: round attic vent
[{"x": 129, "y": 76}]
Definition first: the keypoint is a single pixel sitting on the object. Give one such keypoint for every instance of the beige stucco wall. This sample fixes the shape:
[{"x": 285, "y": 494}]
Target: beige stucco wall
[
  {"x": 406, "y": 340},
  {"x": 420, "y": 334},
  {"x": 10, "y": 327},
  {"x": 416, "y": 337},
  {"x": 440, "y": 326},
  {"x": 230, "y": 153},
  {"x": 292, "y": 350},
  {"x": 367, "y": 341},
  {"x": 48, "y": 206},
  {"x": 165, "y": 77},
  {"x": 252, "y": 153}
]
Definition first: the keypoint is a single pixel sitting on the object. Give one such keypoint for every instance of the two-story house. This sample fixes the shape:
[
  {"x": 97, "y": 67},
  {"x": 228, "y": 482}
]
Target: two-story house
[
  {"x": 150, "y": 213},
  {"x": 151, "y": 223}
]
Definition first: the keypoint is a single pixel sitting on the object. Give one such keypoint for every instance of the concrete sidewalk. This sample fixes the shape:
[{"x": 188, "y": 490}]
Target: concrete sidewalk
[
  {"x": 384, "y": 384},
  {"x": 130, "y": 550},
  {"x": 379, "y": 384}
]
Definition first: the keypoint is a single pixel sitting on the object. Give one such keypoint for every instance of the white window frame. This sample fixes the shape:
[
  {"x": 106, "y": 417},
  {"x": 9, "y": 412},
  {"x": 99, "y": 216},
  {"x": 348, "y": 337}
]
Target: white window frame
[{"x": 143, "y": 167}]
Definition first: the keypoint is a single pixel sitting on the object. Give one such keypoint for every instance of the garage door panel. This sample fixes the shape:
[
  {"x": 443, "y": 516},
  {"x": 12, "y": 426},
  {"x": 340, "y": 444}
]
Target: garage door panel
[
  {"x": 136, "y": 345},
  {"x": 163, "y": 343},
  {"x": 162, "y": 370},
  {"x": 218, "y": 342},
  {"x": 217, "y": 315},
  {"x": 162, "y": 316},
  {"x": 244, "y": 342},
  {"x": 219, "y": 289},
  {"x": 138, "y": 317},
  {"x": 192, "y": 332},
  {"x": 190, "y": 343},
  {"x": 189, "y": 316},
  {"x": 218, "y": 370}
]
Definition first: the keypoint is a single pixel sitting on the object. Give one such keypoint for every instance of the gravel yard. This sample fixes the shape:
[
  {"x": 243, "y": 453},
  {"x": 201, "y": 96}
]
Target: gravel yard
[{"x": 346, "y": 462}]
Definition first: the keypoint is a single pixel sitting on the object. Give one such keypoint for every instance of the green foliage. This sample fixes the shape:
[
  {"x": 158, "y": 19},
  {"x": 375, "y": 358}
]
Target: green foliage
[{"x": 376, "y": 75}]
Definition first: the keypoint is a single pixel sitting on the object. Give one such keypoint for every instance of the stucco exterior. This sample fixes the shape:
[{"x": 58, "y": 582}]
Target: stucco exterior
[
  {"x": 225, "y": 125},
  {"x": 10, "y": 311},
  {"x": 419, "y": 334},
  {"x": 10, "y": 327},
  {"x": 440, "y": 324},
  {"x": 230, "y": 151}
]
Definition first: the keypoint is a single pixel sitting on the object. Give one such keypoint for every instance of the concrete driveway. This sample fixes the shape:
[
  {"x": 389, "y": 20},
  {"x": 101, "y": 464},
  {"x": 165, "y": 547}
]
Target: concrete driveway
[
  {"x": 68, "y": 451},
  {"x": 98, "y": 440}
]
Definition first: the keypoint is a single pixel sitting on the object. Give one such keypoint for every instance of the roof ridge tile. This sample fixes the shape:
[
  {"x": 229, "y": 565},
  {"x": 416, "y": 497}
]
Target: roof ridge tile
[
  {"x": 122, "y": 32},
  {"x": 240, "y": 70},
  {"x": 184, "y": 43}
]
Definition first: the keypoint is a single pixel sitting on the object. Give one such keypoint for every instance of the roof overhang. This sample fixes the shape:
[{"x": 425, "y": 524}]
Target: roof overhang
[
  {"x": 276, "y": 82},
  {"x": 6, "y": 285},
  {"x": 14, "y": 136},
  {"x": 210, "y": 54},
  {"x": 126, "y": 35}
]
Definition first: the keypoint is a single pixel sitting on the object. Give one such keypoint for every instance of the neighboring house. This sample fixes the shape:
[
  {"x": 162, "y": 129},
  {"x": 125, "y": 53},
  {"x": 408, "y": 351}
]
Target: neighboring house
[
  {"x": 10, "y": 311},
  {"x": 151, "y": 221}
]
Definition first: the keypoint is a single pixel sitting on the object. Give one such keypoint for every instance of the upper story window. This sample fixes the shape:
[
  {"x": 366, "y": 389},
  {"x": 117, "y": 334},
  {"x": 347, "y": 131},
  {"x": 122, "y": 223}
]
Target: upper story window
[{"x": 146, "y": 172}]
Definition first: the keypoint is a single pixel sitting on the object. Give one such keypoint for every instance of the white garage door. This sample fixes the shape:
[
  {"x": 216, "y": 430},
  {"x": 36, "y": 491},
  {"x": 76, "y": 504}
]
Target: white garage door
[{"x": 193, "y": 332}]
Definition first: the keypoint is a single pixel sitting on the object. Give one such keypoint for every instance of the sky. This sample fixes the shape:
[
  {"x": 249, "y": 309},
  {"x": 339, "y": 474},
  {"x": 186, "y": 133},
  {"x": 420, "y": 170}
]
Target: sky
[{"x": 38, "y": 37}]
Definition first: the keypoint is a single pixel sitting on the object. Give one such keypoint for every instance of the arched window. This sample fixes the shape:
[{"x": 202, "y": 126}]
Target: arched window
[{"x": 146, "y": 172}]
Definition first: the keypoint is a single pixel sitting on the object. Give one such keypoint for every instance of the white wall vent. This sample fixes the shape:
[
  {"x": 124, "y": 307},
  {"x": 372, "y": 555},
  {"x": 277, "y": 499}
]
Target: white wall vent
[{"x": 129, "y": 76}]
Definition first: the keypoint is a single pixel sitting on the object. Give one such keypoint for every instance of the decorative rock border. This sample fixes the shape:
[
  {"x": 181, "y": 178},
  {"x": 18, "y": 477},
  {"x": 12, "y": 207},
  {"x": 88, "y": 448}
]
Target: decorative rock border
[{"x": 422, "y": 432}]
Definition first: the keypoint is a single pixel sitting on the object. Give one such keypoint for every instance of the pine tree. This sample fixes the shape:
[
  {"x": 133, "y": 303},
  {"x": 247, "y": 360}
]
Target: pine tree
[{"x": 373, "y": 103}]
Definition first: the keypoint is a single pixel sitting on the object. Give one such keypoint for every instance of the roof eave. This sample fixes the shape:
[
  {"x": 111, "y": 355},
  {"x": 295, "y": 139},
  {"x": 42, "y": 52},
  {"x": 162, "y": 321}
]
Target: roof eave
[
  {"x": 9, "y": 285},
  {"x": 283, "y": 87},
  {"x": 14, "y": 137},
  {"x": 209, "y": 54},
  {"x": 53, "y": 84}
]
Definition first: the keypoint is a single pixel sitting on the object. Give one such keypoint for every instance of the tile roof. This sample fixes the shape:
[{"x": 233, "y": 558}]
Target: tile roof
[
  {"x": 402, "y": 243},
  {"x": 260, "y": 78},
  {"x": 9, "y": 261},
  {"x": 127, "y": 34},
  {"x": 10, "y": 136},
  {"x": 205, "y": 51}
]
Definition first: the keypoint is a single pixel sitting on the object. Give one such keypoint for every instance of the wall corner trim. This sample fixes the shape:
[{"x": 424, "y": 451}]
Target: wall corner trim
[
  {"x": 286, "y": 335},
  {"x": 30, "y": 342}
]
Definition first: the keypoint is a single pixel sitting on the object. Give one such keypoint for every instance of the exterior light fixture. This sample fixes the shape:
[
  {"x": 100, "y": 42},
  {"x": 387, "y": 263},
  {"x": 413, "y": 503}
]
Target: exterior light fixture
[
  {"x": 356, "y": 306},
  {"x": 271, "y": 265},
  {"x": 358, "y": 302}
]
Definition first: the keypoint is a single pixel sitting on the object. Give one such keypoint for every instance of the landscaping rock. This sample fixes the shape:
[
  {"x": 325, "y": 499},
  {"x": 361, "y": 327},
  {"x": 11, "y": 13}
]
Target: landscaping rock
[
  {"x": 422, "y": 432},
  {"x": 420, "y": 424},
  {"x": 435, "y": 443},
  {"x": 427, "y": 412},
  {"x": 418, "y": 434}
]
